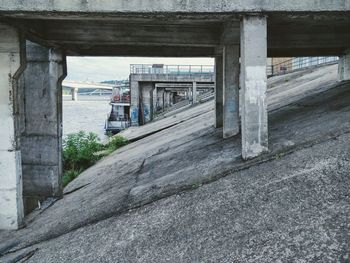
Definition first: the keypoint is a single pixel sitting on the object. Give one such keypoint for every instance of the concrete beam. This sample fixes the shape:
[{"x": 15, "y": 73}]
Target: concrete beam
[
  {"x": 41, "y": 133},
  {"x": 12, "y": 54},
  {"x": 253, "y": 85},
  {"x": 219, "y": 74},
  {"x": 344, "y": 67},
  {"x": 105, "y": 7},
  {"x": 230, "y": 91},
  {"x": 126, "y": 33}
]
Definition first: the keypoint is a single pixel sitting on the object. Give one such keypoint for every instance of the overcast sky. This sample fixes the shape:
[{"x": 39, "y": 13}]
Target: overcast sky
[{"x": 111, "y": 68}]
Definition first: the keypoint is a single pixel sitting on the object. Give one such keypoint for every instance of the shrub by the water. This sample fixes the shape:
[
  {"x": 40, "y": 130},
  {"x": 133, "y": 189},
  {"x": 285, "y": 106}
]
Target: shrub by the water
[
  {"x": 81, "y": 150},
  {"x": 69, "y": 176},
  {"x": 116, "y": 142}
]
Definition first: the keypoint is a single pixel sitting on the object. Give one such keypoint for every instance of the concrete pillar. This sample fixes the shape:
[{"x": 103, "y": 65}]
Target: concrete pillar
[
  {"x": 147, "y": 105},
  {"x": 135, "y": 101},
  {"x": 172, "y": 98},
  {"x": 344, "y": 67},
  {"x": 219, "y": 92},
  {"x": 155, "y": 99},
  {"x": 253, "y": 85},
  {"x": 231, "y": 121},
  {"x": 194, "y": 92},
  {"x": 75, "y": 94},
  {"x": 41, "y": 126},
  {"x": 160, "y": 95},
  {"x": 166, "y": 99},
  {"x": 12, "y": 61}
]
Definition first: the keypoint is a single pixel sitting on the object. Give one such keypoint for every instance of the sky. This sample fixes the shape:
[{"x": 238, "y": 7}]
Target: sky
[{"x": 98, "y": 69}]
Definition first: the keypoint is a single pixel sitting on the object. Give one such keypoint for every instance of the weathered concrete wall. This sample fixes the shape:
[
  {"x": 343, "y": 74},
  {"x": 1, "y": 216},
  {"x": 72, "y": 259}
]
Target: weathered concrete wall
[
  {"x": 41, "y": 124},
  {"x": 254, "y": 86},
  {"x": 344, "y": 67},
  {"x": 78, "y": 6},
  {"x": 11, "y": 59}
]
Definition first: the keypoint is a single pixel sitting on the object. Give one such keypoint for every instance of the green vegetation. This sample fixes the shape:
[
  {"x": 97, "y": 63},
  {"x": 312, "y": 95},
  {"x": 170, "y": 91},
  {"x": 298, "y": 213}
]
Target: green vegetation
[
  {"x": 82, "y": 150},
  {"x": 116, "y": 142},
  {"x": 69, "y": 176}
]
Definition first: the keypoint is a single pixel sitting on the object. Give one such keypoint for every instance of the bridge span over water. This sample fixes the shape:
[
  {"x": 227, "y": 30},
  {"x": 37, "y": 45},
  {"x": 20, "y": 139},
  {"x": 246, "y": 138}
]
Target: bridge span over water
[{"x": 95, "y": 88}]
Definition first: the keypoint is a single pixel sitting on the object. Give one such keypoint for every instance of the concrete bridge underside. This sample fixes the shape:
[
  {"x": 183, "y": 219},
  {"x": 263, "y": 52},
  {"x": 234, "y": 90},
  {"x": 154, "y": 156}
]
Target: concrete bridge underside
[
  {"x": 239, "y": 34},
  {"x": 152, "y": 91}
]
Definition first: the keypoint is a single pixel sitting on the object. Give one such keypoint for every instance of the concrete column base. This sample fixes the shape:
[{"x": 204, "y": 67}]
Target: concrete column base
[
  {"x": 253, "y": 85},
  {"x": 231, "y": 91},
  {"x": 12, "y": 61},
  {"x": 219, "y": 92},
  {"x": 344, "y": 67}
]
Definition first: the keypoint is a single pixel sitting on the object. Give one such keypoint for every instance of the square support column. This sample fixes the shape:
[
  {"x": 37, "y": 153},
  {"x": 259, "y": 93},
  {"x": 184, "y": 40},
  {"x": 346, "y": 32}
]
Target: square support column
[
  {"x": 231, "y": 91},
  {"x": 170, "y": 96},
  {"x": 12, "y": 62},
  {"x": 41, "y": 129},
  {"x": 135, "y": 102},
  {"x": 160, "y": 97},
  {"x": 147, "y": 104},
  {"x": 219, "y": 88},
  {"x": 166, "y": 98},
  {"x": 194, "y": 92},
  {"x": 253, "y": 86},
  {"x": 344, "y": 67},
  {"x": 155, "y": 99},
  {"x": 74, "y": 94}
]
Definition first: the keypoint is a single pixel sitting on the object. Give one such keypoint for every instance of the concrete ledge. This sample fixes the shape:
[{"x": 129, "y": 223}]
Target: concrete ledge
[{"x": 202, "y": 6}]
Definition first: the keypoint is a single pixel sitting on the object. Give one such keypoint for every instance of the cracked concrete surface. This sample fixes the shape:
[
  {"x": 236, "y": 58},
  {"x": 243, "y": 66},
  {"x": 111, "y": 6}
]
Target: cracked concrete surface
[{"x": 141, "y": 204}]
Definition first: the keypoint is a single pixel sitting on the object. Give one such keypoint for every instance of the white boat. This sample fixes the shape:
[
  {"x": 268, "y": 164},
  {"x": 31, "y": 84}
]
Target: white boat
[{"x": 119, "y": 117}]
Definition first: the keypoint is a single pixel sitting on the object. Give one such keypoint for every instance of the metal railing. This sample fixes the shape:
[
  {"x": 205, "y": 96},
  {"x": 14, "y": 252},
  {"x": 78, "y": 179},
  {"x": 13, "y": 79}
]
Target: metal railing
[
  {"x": 171, "y": 69},
  {"x": 298, "y": 63}
]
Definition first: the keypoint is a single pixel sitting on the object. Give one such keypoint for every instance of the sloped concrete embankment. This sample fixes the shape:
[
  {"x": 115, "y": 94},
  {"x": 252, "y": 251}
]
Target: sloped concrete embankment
[{"x": 191, "y": 152}]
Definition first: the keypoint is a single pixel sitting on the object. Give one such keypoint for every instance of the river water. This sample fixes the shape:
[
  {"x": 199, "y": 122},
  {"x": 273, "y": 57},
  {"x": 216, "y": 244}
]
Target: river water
[{"x": 87, "y": 114}]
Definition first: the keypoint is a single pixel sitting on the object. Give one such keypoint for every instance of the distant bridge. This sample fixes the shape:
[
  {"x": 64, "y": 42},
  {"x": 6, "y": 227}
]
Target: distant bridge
[
  {"x": 86, "y": 85},
  {"x": 96, "y": 88}
]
